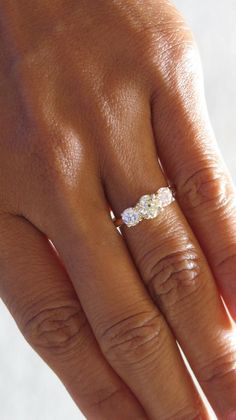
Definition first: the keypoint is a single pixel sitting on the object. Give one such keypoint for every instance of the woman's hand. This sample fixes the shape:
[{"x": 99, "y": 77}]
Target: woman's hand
[{"x": 92, "y": 94}]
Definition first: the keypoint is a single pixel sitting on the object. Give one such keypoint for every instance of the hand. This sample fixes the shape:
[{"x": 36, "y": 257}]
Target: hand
[{"x": 92, "y": 94}]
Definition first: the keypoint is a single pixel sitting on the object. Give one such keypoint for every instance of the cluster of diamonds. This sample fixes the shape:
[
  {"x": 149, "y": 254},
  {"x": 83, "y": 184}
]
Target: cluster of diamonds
[{"x": 148, "y": 207}]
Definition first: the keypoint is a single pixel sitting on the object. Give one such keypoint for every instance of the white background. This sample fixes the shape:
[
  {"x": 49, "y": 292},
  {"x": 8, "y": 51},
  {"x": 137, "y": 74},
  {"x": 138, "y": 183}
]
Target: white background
[{"x": 28, "y": 388}]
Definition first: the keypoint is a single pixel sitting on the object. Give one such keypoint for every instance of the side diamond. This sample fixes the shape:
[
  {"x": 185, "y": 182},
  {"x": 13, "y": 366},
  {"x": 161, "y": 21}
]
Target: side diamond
[
  {"x": 131, "y": 216},
  {"x": 165, "y": 196}
]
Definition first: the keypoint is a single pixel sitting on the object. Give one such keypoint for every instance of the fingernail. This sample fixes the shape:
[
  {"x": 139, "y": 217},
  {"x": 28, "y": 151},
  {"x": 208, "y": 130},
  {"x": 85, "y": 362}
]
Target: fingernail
[{"x": 232, "y": 416}]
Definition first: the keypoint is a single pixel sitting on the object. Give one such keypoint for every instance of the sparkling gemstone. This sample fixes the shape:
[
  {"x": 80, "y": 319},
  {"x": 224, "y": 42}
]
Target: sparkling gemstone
[
  {"x": 149, "y": 206},
  {"x": 131, "y": 216},
  {"x": 165, "y": 196}
]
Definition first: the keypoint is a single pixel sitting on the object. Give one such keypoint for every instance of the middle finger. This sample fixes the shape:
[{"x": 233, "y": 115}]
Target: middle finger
[{"x": 132, "y": 333}]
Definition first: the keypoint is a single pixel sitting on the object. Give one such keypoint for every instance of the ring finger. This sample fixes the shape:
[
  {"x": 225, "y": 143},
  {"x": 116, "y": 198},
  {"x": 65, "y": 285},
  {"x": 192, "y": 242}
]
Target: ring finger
[{"x": 173, "y": 266}]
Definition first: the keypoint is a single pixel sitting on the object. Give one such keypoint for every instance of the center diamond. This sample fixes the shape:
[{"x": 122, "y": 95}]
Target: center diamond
[{"x": 149, "y": 206}]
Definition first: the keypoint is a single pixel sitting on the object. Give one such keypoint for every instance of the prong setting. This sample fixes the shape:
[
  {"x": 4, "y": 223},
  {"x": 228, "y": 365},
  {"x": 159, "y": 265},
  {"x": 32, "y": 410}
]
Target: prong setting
[{"x": 148, "y": 207}]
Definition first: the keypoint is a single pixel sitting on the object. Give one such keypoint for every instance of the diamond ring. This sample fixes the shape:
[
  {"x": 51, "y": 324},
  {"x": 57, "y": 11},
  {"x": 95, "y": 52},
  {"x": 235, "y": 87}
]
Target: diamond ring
[{"x": 148, "y": 207}]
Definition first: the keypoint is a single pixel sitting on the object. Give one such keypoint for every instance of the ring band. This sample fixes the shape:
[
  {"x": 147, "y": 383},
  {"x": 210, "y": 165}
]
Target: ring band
[{"x": 149, "y": 206}]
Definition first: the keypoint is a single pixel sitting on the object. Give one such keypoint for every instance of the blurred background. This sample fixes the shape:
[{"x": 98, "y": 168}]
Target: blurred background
[{"x": 29, "y": 390}]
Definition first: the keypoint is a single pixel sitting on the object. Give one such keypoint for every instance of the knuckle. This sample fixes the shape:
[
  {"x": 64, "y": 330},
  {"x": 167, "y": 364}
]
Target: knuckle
[
  {"x": 206, "y": 187},
  {"x": 177, "y": 50},
  {"x": 174, "y": 59},
  {"x": 52, "y": 153},
  {"x": 225, "y": 266},
  {"x": 176, "y": 78},
  {"x": 56, "y": 329},
  {"x": 105, "y": 397},
  {"x": 165, "y": 41},
  {"x": 222, "y": 370},
  {"x": 133, "y": 339},
  {"x": 174, "y": 277},
  {"x": 187, "y": 413},
  {"x": 175, "y": 54}
]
